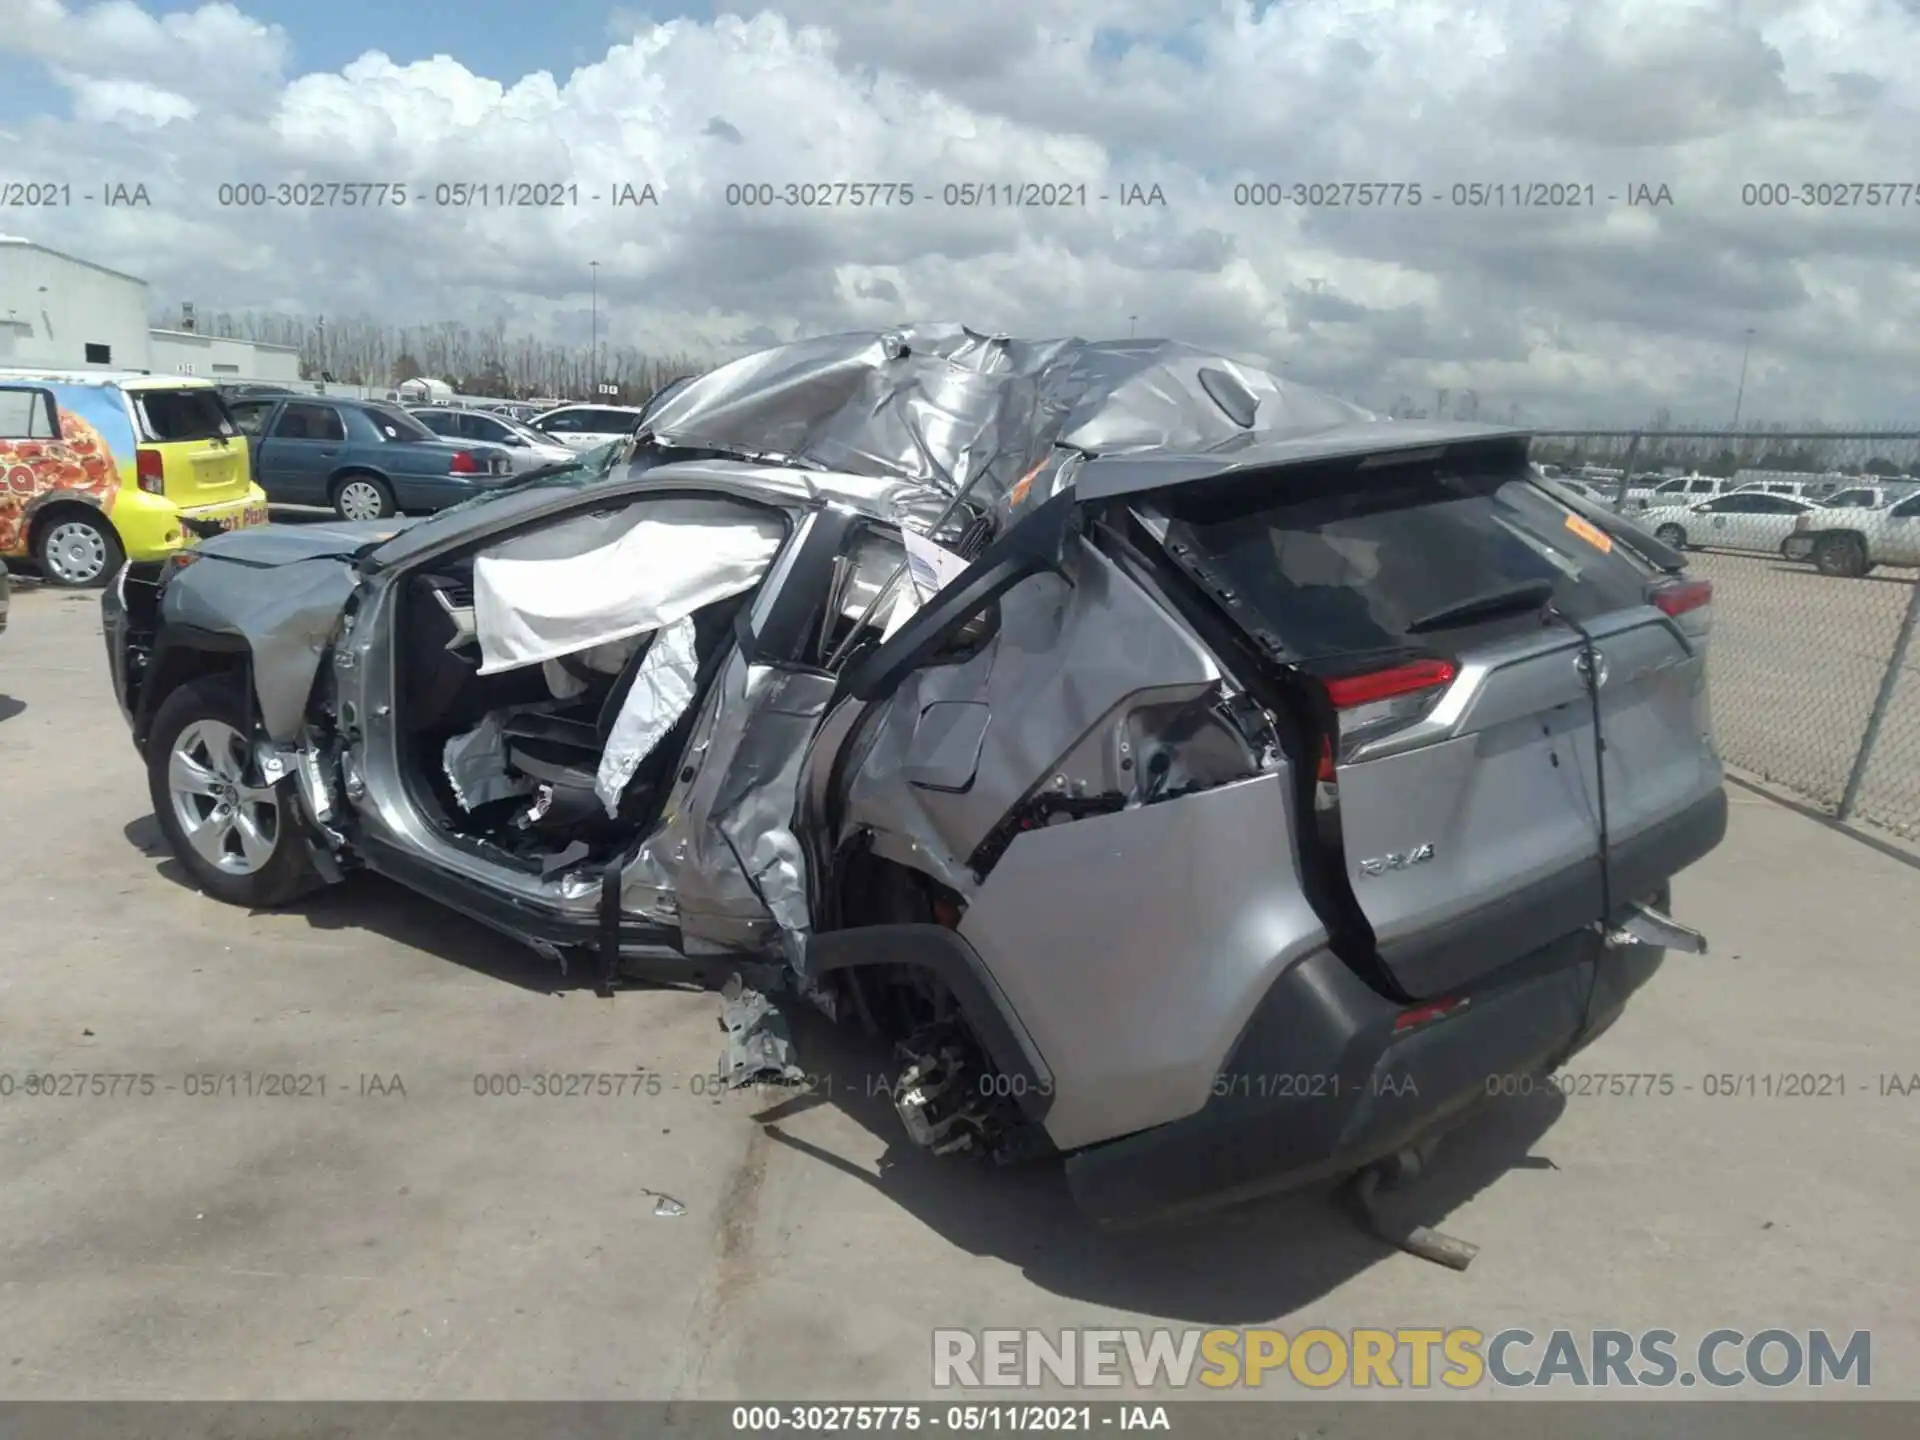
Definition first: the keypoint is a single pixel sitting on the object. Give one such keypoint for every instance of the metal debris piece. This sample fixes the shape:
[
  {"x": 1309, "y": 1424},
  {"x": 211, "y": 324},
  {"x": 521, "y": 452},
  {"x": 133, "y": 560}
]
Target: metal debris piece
[
  {"x": 759, "y": 1047},
  {"x": 665, "y": 1205}
]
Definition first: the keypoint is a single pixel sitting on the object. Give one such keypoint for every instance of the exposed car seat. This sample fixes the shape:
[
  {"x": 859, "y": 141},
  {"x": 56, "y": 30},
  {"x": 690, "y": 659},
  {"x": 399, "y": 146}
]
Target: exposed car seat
[
  {"x": 440, "y": 689},
  {"x": 563, "y": 752}
]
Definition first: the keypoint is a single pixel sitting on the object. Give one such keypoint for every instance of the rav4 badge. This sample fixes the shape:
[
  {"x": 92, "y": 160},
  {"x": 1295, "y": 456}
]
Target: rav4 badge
[{"x": 1380, "y": 865}]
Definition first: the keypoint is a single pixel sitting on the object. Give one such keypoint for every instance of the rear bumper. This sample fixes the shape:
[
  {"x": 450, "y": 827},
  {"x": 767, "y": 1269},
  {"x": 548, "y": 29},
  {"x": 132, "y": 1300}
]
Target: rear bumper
[
  {"x": 153, "y": 527},
  {"x": 1320, "y": 1084}
]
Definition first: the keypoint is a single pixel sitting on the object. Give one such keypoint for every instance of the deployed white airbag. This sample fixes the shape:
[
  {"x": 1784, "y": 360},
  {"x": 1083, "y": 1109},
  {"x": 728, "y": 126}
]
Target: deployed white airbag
[
  {"x": 601, "y": 578},
  {"x": 662, "y": 689},
  {"x": 476, "y": 764}
]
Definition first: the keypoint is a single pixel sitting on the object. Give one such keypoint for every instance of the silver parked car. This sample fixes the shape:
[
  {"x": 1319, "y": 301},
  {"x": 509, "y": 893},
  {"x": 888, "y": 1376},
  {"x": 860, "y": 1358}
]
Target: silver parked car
[
  {"x": 1193, "y": 775},
  {"x": 527, "y": 448}
]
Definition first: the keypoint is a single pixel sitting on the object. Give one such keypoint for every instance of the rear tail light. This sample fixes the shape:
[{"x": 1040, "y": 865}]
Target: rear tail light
[
  {"x": 1680, "y": 596},
  {"x": 150, "y": 467},
  {"x": 463, "y": 463},
  {"x": 1378, "y": 702}
]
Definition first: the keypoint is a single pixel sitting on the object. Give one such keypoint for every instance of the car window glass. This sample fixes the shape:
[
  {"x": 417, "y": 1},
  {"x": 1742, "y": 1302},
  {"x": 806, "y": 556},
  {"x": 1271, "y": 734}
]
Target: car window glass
[
  {"x": 1347, "y": 572},
  {"x": 169, "y": 415},
  {"x": 251, "y": 417},
  {"x": 438, "y": 421},
  {"x": 1907, "y": 509},
  {"x": 23, "y": 415},
  {"x": 567, "y": 421},
  {"x": 393, "y": 423},
  {"x": 309, "y": 422}
]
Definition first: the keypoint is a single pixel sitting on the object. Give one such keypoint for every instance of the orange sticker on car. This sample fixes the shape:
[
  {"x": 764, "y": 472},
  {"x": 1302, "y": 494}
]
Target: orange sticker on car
[
  {"x": 1025, "y": 483},
  {"x": 1590, "y": 533}
]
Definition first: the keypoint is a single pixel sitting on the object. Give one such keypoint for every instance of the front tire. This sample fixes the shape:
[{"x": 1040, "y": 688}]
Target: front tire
[
  {"x": 77, "y": 548},
  {"x": 1671, "y": 535},
  {"x": 363, "y": 497},
  {"x": 1840, "y": 555},
  {"x": 239, "y": 839}
]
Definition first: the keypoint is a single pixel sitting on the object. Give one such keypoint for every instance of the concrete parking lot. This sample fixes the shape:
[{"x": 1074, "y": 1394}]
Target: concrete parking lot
[{"x": 403, "y": 1236}]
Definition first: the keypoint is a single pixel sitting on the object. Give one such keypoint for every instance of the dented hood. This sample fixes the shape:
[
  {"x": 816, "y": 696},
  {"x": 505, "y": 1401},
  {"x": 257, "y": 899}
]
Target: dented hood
[
  {"x": 270, "y": 545},
  {"x": 940, "y": 404}
]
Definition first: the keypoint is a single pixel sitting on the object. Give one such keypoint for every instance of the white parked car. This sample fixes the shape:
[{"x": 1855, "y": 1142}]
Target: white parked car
[
  {"x": 527, "y": 448},
  {"x": 1745, "y": 520},
  {"x": 1681, "y": 491},
  {"x": 1852, "y": 541},
  {"x": 1867, "y": 497},
  {"x": 585, "y": 427}
]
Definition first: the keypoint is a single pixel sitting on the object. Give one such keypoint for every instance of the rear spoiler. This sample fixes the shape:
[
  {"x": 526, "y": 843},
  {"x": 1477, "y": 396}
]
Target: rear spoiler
[{"x": 1368, "y": 447}]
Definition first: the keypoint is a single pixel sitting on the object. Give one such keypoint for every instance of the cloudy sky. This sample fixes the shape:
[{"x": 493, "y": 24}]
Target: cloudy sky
[{"x": 1601, "y": 310}]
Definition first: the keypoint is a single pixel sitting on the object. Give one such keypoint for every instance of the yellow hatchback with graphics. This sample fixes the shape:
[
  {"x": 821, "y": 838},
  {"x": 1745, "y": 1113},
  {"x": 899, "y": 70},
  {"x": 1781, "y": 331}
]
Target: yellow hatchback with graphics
[{"x": 97, "y": 468}]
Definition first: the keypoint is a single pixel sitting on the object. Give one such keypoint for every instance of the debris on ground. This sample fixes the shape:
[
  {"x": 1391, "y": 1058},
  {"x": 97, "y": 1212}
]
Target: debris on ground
[
  {"x": 759, "y": 1047},
  {"x": 665, "y": 1205}
]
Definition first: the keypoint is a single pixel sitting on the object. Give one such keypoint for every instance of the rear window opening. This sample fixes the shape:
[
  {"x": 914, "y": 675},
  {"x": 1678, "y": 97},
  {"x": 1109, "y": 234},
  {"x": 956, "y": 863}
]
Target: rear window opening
[
  {"x": 170, "y": 415},
  {"x": 1342, "y": 565}
]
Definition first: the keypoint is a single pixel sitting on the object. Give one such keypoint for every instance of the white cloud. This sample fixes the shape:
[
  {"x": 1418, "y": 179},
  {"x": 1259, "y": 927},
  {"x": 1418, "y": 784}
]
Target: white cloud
[{"x": 1597, "y": 309}]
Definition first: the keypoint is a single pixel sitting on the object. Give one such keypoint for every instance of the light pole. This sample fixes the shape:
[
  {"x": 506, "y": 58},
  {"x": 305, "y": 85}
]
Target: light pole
[
  {"x": 593, "y": 349},
  {"x": 1741, "y": 394},
  {"x": 1131, "y": 321}
]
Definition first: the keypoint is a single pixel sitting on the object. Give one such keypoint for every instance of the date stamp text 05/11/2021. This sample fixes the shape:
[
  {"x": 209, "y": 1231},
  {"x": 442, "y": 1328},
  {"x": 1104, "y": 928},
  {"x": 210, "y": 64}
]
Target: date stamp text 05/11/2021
[{"x": 53, "y": 192}]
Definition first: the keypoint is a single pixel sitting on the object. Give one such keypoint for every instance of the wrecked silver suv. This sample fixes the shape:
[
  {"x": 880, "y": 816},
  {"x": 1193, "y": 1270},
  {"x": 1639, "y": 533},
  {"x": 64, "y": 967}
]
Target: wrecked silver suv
[{"x": 1191, "y": 774}]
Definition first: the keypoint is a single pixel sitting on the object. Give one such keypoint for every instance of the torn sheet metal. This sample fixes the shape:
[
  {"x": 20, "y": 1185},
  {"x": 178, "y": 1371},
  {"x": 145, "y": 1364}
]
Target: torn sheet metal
[
  {"x": 759, "y": 1048},
  {"x": 476, "y": 764},
  {"x": 724, "y": 861},
  {"x": 662, "y": 689},
  {"x": 940, "y": 404},
  {"x": 605, "y": 577},
  {"x": 1068, "y": 659}
]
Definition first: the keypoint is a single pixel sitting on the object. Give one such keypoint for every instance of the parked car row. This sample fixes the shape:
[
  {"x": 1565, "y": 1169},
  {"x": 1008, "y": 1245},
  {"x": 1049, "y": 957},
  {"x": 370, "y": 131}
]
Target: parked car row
[
  {"x": 1882, "y": 528},
  {"x": 364, "y": 459},
  {"x": 526, "y": 447}
]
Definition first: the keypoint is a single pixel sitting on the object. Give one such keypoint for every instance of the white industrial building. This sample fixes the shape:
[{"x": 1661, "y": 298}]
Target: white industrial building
[
  {"x": 186, "y": 352},
  {"x": 64, "y": 313}
]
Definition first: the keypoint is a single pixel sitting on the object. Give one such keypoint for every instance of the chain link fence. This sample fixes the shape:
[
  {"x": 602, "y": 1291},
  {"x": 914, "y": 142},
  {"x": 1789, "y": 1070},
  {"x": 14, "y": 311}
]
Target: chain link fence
[{"x": 1814, "y": 669}]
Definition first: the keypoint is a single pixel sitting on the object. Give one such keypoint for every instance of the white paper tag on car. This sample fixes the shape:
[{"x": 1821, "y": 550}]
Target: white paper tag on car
[
  {"x": 930, "y": 569},
  {"x": 933, "y": 567}
]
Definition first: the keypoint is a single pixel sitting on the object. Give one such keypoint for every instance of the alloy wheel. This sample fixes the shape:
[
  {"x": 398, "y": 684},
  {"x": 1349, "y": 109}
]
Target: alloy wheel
[{"x": 233, "y": 824}]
